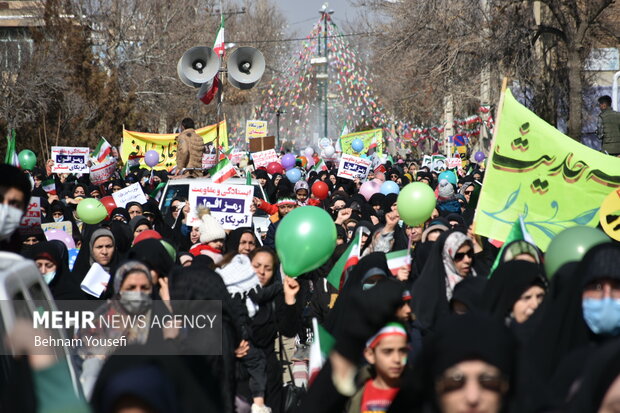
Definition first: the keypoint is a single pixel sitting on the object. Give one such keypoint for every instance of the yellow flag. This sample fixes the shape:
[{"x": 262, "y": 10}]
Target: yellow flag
[
  {"x": 537, "y": 172},
  {"x": 138, "y": 143}
]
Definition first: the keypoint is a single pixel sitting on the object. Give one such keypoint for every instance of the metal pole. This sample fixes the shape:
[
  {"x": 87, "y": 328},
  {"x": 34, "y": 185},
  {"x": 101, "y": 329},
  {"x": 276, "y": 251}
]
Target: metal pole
[
  {"x": 218, "y": 118},
  {"x": 325, "y": 19},
  {"x": 614, "y": 92},
  {"x": 278, "y": 128}
]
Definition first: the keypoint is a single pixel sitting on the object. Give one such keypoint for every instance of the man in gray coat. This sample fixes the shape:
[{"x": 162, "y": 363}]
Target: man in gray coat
[{"x": 608, "y": 127}]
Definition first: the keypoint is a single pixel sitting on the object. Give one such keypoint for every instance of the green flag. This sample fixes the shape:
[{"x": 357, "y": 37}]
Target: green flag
[
  {"x": 536, "y": 171},
  {"x": 11, "y": 154},
  {"x": 518, "y": 232}
]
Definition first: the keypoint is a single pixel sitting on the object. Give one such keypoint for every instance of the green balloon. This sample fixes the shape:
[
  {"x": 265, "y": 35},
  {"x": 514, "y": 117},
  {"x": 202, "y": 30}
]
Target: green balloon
[
  {"x": 305, "y": 239},
  {"x": 91, "y": 211},
  {"x": 571, "y": 245},
  {"x": 416, "y": 203},
  {"x": 27, "y": 159}
]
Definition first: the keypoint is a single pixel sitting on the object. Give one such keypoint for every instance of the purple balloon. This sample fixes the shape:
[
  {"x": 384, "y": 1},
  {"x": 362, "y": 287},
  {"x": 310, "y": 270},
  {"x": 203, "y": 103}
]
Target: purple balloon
[
  {"x": 151, "y": 158},
  {"x": 479, "y": 156},
  {"x": 60, "y": 235},
  {"x": 288, "y": 161}
]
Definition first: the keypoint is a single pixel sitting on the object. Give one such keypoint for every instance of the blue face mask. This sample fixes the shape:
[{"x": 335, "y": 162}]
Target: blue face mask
[
  {"x": 602, "y": 315},
  {"x": 59, "y": 219}
]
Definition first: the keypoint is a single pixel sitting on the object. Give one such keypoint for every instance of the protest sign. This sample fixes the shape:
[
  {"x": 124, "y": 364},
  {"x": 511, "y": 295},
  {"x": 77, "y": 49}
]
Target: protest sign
[
  {"x": 103, "y": 172},
  {"x": 264, "y": 158},
  {"x": 136, "y": 144},
  {"x": 438, "y": 163},
  {"x": 255, "y": 129},
  {"x": 63, "y": 226},
  {"x": 352, "y": 167},
  {"x": 369, "y": 137},
  {"x": 536, "y": 171},
  {"x": 236, "y": 157},
  {"x": 132, "y": 193},
  {"x": 209, "y": 160},
  {"x": 454, "y": 163},
  {"x": 229, "y": 204},
  {"x": 69, "y": 159},
  {"x": 427, "y": 161},
  {"x": 610, "y": 215},
  {"x": 32, "y": 217}
]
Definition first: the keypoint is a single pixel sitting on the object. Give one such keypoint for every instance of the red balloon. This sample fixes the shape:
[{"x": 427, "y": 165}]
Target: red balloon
[
  {"x": 275, "y": 168},
  {"x": 320, "y": 190},
  {"x": 108, "y": 203}
]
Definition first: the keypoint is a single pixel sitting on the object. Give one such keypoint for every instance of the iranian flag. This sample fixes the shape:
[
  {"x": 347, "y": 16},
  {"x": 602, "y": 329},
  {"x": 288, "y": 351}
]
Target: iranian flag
[
  {"x": 348, "y": 259},
  {"x": 320, "y": 166},
  {"x": 397, "y": 259},
  {"x": 49, "y": 186},
  {"x": 102, "y": 150},
  {"x": 322, "y": 344},
  {"x": 222, "y": 171},
  {"x": 208, "y": 90}
]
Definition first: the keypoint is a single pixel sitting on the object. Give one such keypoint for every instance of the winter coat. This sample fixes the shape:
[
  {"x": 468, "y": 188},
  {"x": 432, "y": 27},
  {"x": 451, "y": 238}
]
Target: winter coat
[
  {"x": 609, "y": 132},
  {"x": 189, "y": 150}
]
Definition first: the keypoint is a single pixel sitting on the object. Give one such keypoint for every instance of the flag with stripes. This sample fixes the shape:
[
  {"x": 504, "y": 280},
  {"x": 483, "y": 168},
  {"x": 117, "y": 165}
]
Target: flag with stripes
[
  {"x": 222, "y": 171},
  {"x": 49, "y": 186},
  {"x": 348, "y": 259},
  {"x": 102, "y": 150},
  {"x": 208, "y": 90},
  {"x": 397, "y": 259},
  {"x": 322, "y": 343}
]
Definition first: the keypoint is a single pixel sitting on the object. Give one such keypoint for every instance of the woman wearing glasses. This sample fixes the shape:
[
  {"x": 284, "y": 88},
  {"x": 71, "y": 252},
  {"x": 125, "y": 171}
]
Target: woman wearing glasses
[{"x": 451, "y": 260}]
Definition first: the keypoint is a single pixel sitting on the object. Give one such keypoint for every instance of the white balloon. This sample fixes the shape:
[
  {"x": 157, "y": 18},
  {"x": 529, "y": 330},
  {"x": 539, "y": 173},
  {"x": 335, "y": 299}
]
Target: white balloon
[
  {"x": 329, "y": 151},
  {"x": 309, "y": 151}
]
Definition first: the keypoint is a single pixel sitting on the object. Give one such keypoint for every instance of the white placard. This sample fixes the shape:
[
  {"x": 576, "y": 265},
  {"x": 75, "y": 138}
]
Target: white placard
[
  {"x": 352, "y": 167},
  {"x": 454, "y": 162},
  {"x": 264, "y": 158},
  {"x": 103, "y": 172},
  {"x": 439, "y": 163},
  {"x": 427, "y": 161},
  {"x": 68, "y": 159},
  {"x": 229, "y": 204},
  {"x": 133, "y": 193},
  {"x": 96, "y": 280},
  {"x": 209, "y": 160},
  {"x": 63, "y": 226},
  {"x": 32, "y": 217},
  {"x": 236, "y": 157}
]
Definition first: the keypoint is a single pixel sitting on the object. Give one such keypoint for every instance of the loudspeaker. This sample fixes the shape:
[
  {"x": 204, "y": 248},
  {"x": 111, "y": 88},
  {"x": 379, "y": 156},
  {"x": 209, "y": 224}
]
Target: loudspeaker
[
  {"x": 198, "y": 65},
  {"x": 246, "y": 66}
]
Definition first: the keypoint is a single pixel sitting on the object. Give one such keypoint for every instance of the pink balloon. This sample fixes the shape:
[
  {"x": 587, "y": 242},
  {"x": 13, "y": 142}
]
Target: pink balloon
[
  {"x": 369, "y": 188},
  {"x": 60, "y": 235}
]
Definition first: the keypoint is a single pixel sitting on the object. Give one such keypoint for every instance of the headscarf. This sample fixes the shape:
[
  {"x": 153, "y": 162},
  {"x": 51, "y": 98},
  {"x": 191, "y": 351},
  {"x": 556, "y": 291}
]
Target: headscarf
[
  {"x": 514, "y": 248},
  {"x": 152, "y": 253},
  {"x": 472, "y": 336},
  {"x": 137, "y": 221},
  {"x": 101, "y": 232},
  {"x": 470, "y": 292},
  {"x": 234, "y": 238},
  {"x": 509, "y": 281},
  {"x": 452, "y": 244},
  {"x": 430, "y": 289},
  {"x": 56, "y": 252},
  {"x": 122, "y": 212},
  {"x": 126, "y": 269}
]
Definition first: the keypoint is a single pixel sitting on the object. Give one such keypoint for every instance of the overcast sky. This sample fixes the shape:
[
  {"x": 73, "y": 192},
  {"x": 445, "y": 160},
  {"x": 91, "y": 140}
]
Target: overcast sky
[{"x": 303, "y": 14}]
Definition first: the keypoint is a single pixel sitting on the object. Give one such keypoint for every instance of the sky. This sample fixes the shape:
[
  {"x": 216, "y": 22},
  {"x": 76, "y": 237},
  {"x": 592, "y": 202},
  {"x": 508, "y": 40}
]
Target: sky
[{"x": 303, "y": 14}]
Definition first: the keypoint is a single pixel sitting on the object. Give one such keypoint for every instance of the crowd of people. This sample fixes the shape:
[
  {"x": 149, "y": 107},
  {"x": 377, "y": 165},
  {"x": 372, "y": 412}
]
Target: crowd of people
[{"x": 449, "y": 332}]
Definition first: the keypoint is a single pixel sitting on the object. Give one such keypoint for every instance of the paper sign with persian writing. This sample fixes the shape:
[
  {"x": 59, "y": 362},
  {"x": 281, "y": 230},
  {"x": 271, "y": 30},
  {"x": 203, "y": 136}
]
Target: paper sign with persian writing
[
  {"x": 352, "y": 167},
  {"x": 454, "y": 162},
  {"x": 209, "y": 160},
  {"x": 229, "y": 204},
  {"x": 70, "y": 160},
  {"x": 103, "y": 172},
  {"x": 264, "y": 158},
  {"x": 32, "y": 217},
  {"x": 255, "y": 129},
  {"x": 63, "y": 226},
  {"x": 133, "y": 193}
]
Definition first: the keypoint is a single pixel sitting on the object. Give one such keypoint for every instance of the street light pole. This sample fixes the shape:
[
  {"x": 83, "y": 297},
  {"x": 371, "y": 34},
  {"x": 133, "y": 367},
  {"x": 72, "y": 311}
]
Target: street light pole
[{"x": 325, "y": 13}]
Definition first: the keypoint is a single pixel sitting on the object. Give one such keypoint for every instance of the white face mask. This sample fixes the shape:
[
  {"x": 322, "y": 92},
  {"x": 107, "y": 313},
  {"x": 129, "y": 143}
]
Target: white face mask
[
  {"x": 49, "y": 276},
  {"x": 59, "y": 219},
  {"x": 10, "y": 217}
]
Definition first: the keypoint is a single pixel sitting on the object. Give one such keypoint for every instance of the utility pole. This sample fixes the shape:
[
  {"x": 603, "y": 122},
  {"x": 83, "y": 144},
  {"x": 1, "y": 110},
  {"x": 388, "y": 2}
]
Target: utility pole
[
  {"x": 449, "y": 117},
  {"x": 325, "y": 18}
]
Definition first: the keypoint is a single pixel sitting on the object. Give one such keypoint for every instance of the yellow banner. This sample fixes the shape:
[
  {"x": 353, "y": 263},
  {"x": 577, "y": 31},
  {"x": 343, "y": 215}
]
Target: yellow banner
[{"x": 138, "y": 143}]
